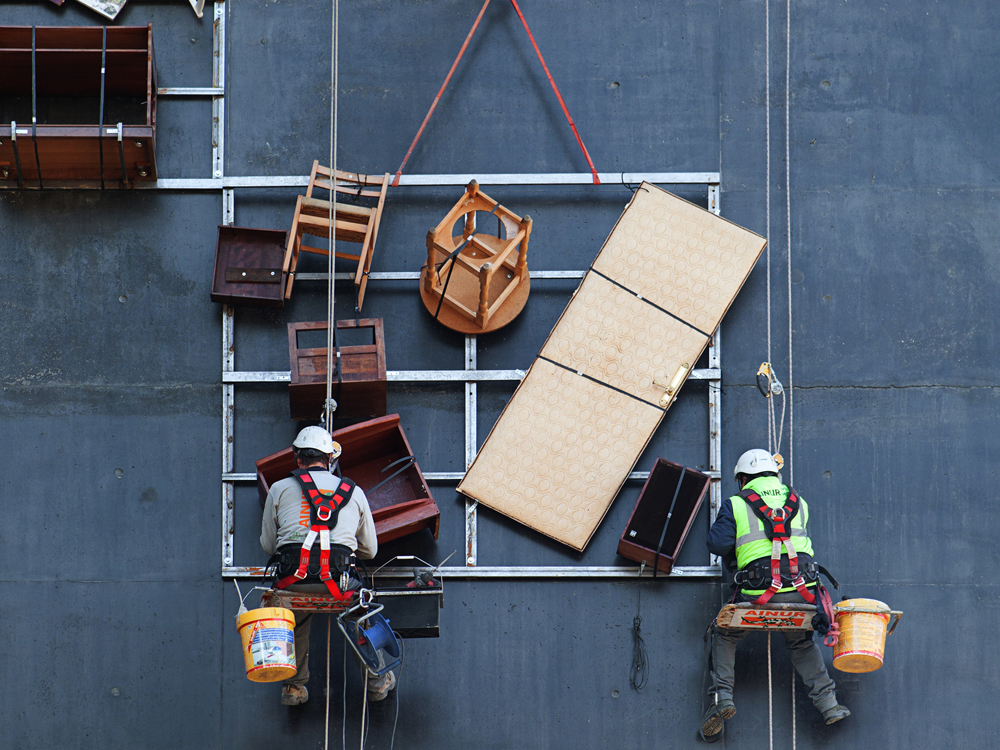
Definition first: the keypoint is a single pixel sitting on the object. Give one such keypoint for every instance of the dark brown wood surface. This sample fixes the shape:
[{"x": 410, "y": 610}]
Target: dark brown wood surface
[
  {"x": 252, "y": 251},
  {"x": 402, "y": 506}
]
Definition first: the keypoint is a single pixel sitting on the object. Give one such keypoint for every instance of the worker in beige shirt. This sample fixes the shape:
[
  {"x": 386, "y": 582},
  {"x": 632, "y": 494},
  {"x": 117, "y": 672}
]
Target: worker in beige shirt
[{"x": 284, "y": 527}]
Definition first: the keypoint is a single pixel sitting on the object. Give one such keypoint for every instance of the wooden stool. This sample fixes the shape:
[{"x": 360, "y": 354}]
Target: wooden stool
[
  {"x": 485, "y": 285},
  {"x": 354, "y": 223}
]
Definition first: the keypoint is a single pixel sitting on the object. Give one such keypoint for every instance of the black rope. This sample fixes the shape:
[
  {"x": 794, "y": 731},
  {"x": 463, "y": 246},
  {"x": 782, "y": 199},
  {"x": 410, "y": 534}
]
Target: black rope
[
  {"x": 407, "y": 461},
  {"x": 34, "y": 108},
  {"x": 666, "y": 523},
  {"x": 100, "y": 127},
  {"x": 639, "y": 672},
  {"x": 451, "y": 268}
]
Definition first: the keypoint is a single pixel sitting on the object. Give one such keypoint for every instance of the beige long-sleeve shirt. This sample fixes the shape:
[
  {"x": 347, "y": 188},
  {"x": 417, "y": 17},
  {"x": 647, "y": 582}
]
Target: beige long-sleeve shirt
[{"x": 286, "y": 517}]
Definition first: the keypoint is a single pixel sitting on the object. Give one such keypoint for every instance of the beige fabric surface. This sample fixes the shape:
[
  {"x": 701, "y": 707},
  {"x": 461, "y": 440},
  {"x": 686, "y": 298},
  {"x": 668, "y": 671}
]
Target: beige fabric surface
[{"x": 586, "y": 409}]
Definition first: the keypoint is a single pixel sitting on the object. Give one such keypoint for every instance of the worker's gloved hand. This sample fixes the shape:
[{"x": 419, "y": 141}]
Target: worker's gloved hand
[{"x": 821, "y": 623}]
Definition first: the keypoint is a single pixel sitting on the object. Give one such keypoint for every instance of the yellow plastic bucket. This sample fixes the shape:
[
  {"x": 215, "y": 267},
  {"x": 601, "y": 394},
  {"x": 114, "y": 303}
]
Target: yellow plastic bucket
[
  {"x": 268, "y": 643},
  {"x": 861, "y": 645}
]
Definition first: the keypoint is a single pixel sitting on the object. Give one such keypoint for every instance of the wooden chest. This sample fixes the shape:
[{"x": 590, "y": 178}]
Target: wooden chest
[
  {"x": 248, "y": 267},
  {"x": 361, "y": 390},
  {"x": 663, "y": 515},
  {"x": 91, "y": 91},
  {"x": 373, "y": 451}
]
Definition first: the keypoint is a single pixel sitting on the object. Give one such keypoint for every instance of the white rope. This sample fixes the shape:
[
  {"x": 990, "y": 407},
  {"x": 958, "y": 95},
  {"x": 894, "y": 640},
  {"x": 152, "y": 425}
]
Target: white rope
[
  {"x": 343, "y": 693},
  {"x": 793, "y": 709},
  {"x": 770, "y": 706},
  {"x": 326, "y": 724},
  {"x": 788, "y": 229},
  {"x": 767, "y": 110},
  {"x": 331, "y": 261}
]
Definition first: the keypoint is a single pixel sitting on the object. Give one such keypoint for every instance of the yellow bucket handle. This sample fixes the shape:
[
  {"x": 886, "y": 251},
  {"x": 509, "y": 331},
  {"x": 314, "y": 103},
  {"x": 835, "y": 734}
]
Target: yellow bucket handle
[{"x": 871, "y": 611}]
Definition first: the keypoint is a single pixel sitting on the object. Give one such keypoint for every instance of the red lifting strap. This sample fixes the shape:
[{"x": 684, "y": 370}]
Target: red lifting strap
[{"x": 465, "y": 44}]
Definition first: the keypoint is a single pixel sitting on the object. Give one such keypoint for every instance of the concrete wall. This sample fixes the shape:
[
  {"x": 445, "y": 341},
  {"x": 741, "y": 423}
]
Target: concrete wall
[{"x": 118, "y": 627}]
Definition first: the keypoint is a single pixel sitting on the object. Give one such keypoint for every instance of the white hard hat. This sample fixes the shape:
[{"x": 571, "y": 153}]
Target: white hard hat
[
  {"x": 755, "y": 461},
  {"x": 318, "y": 439}
]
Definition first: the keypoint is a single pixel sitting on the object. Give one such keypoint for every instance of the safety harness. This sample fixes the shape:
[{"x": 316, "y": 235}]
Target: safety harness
[
  {"x": 778, "y": 527},
  {"x": 324, "y": 508}
]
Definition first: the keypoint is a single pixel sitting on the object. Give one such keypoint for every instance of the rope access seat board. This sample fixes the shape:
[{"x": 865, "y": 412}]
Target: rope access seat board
[{"x": 612, "y": 366}]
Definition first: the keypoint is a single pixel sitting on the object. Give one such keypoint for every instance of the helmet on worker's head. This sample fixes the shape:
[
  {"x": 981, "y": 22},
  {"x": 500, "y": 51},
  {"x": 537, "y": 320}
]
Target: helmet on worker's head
[
  {"x": 756, "y": 461},
  {"x": 317, "y": 439}
]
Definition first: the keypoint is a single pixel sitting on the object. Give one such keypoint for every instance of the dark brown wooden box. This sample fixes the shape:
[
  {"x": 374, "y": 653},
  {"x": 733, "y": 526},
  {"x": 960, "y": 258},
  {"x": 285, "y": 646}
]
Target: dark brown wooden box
[
  {"x": 77, "y": 140},
  {"x": 645, "y": 526},
  {"x": 363, "y": 387},
  {"x": 248, "y": 267},
  {"x": 401, "y": 506}
]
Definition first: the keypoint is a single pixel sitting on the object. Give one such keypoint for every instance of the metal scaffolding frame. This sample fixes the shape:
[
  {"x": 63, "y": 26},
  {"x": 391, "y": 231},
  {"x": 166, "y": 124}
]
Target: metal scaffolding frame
[{"x": 470, "y": 376}]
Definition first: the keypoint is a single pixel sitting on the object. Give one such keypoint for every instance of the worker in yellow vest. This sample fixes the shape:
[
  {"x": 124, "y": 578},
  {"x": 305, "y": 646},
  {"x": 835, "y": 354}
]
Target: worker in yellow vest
[{"x": 763, "y": 533}]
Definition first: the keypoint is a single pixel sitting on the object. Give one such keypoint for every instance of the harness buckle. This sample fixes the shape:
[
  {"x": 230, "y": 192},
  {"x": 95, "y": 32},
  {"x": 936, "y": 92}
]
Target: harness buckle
[{"x": 320, "y": 510}]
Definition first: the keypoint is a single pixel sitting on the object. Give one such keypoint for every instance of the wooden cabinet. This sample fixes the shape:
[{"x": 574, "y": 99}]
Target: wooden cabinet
[
  {"x": 663, "y": 515},
  {"x": 377, "y": 456},
  {"x": 360, "y": 390},
  {"x": 77, "y": 106}
]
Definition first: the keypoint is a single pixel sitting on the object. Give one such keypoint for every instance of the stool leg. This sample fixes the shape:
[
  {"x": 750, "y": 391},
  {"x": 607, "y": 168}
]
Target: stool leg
[
  {"x": 431, "y": 280},
  {"x": 483, "y": 314}
]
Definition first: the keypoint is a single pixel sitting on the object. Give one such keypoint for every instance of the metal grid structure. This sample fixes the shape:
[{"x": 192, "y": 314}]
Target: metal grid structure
[{"x": 470, "y": 376}]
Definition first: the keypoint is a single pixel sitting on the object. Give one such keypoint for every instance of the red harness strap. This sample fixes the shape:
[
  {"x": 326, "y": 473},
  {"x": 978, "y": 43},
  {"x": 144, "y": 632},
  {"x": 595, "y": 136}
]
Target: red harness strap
[
  {"x": 778, "y": 527},
  {"x": 324, "y": 508}
]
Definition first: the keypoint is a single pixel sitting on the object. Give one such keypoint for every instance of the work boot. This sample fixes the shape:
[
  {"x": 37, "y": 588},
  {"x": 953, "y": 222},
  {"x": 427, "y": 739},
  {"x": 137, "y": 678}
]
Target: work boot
[
  {"x": 379, "y": 689},
  {"x": 711, "y": 722},
  {"x": 294, "y": 695},
  {"x": 836, "y": 713}
]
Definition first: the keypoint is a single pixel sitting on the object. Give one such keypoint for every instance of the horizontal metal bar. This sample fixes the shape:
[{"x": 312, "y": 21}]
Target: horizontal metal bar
[
  {"x": 192, "y": 91},
  {"x": 414, "y": 275},
  {"x": 453, "y": 476},
  {"x": 257, "y": 377},
  {"x": 426, "y": 376},
  {"x": 452, "y": 376},
  {"x": 521, "y": 572},
  {"x": 433, "y": 180}
]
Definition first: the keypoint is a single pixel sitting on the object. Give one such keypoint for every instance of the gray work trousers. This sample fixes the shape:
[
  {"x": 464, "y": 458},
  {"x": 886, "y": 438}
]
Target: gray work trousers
[
  {"x": 805, "y": 654},
  {"x": 303, "y": 625}
]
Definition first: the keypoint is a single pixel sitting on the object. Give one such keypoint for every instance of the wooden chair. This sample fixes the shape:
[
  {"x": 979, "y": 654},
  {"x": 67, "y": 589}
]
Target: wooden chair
[
  {"x": 355, "y": 223},
  {"x": 485, "y": 285}
]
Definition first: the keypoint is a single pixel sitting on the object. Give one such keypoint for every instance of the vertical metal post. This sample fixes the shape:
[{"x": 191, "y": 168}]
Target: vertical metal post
[
  {"x": 714, "y": 402},
  {"x": 228, "y": 326},
  {"x": 471, "y": 444},
  {"x": 219, "y": 81}
]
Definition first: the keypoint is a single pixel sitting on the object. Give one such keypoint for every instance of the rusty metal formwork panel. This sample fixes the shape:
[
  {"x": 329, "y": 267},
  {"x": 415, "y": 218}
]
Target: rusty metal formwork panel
[{"x": 612, "y": 366}]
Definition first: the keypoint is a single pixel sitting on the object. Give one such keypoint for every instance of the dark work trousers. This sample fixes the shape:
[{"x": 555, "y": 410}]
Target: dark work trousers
[
  {"x": 303, "y": 626},
  {"x": 805, "y": 654}
]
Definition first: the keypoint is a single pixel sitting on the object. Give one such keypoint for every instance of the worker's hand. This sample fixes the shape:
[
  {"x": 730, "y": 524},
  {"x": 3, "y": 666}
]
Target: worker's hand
[{"x": 821, "y": 623}]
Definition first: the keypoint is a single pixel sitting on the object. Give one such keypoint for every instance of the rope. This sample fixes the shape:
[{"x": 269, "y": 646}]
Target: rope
[
  {"x": 420, "y": 132},
  {"x": 593, "y": 170},
  {"x": 793, "y": 709},
  {"x": 343, "y": 693},
  {"x": 565, "y": 109},
  {"x": 770, "y": 701},
  {"x": 767, "y": 111},
  {"x": 788, "y": 229},
  {"x": 639, "y": 671},
  {"x": 331, "y": 319},
  {"x": 326, "y": 723}
]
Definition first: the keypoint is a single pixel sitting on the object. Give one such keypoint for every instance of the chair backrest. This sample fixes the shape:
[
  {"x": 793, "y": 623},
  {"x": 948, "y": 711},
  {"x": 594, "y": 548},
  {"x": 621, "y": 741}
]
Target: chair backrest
[{"x": 347, "y": 183}]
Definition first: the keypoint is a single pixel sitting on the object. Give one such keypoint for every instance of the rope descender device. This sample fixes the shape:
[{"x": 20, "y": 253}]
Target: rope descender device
[
  {"x": 769, "y": 385},
  {"x": 767, "y": 381}
]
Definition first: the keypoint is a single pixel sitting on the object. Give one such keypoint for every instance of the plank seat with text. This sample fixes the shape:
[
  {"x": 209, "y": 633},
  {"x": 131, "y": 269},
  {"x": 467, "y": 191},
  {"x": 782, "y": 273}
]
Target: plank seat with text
[
  {"x": 476, "y": 282},
  {"x": 748, "y": 616},
  {"x": 377, "y": 457},
  {"x": 356, "y": 223},
  {"x": 91, "y": 92},
  {"x": 612, "y": 366},
  {"x": 360, "y": 391}
]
